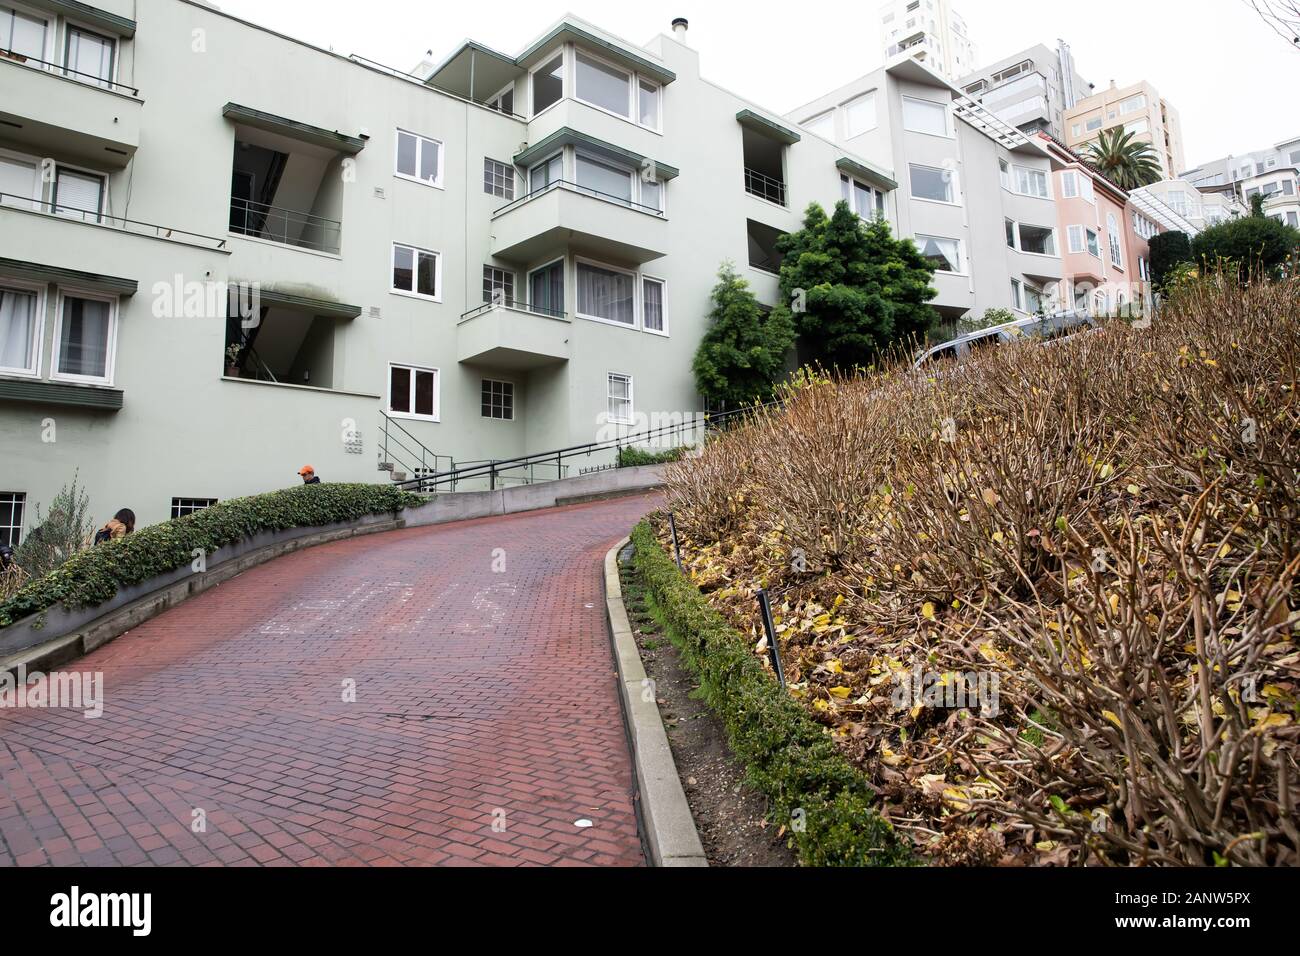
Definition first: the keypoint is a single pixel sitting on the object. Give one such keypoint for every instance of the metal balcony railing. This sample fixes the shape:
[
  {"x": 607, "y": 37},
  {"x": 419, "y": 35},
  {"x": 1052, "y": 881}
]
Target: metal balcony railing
[
  {"x": 583, "y": 190},
  {"x": 13, "y": 200},
  {"x": 764, "y": 186},
  {"x": 289, "y": 226},
  {"x": 513, "y": 304},
  {"x": 90, "y": 79}
]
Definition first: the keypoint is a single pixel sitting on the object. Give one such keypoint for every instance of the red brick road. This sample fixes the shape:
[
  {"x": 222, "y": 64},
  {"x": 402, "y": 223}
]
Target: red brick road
[{"x": 482, "y": 697}]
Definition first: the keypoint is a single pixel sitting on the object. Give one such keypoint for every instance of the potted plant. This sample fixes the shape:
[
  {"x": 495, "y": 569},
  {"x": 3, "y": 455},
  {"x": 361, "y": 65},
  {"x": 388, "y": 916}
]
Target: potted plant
[{"x": 232, "y": 360}]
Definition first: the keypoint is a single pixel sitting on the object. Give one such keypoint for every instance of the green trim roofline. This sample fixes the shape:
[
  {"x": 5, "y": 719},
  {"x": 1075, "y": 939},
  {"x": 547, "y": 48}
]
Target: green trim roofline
[
  {"x": 766, "y": 126},
  {"x": 304, "y": 132}
]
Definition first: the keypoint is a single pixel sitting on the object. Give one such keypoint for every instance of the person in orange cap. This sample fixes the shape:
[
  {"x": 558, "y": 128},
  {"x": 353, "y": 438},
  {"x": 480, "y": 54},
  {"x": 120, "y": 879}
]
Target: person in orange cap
[{"x": 308, "y": 475}]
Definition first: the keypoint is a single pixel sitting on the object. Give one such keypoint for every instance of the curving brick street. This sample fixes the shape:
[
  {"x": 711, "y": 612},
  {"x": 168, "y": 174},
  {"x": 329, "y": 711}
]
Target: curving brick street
[{"x": 482, "y": 697}]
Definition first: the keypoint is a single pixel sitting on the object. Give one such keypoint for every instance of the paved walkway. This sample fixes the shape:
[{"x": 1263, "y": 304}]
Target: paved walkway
[{"x": 486, "y": 720}]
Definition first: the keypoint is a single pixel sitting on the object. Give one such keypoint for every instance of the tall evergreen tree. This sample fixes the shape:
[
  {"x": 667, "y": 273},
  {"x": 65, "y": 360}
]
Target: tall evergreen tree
[
  {"x": 851, "y": 289},
  {"x": 742, "y": 355}
]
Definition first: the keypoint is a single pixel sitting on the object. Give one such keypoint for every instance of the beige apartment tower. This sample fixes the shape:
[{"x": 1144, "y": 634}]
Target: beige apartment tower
[{"x": 1138, "y": 108}]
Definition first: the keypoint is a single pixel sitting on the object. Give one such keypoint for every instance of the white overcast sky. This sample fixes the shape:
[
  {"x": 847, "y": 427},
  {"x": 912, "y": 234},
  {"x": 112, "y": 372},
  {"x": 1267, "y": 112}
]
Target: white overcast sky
[{"x": 1231, "y": 78}]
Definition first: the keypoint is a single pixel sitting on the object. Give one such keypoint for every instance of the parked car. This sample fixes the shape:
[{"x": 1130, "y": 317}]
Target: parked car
[{"x": 1047, "y": 328}]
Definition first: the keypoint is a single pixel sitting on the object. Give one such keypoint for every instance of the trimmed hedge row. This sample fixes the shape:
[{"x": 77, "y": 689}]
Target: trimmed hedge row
[
  {"x": 787, "y": 755},
  {"x": 96, "y": 574},
  {"x": 630, "y": 457}
]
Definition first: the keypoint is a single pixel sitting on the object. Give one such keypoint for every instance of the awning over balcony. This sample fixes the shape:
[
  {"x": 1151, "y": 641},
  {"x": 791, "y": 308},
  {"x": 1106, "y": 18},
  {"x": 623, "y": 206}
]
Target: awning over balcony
[
  {"x": 303, "y": 132},
  {"x": 866, "y": 172},
  {"x": 303, "y": 303},
  {"x": 766, "y": 126},
  {"x": 39, "y": 272},
  {"x": 571, "y": 137},
  {"x": 90, "y": 16},
  {"x": 475, "y": 72}
]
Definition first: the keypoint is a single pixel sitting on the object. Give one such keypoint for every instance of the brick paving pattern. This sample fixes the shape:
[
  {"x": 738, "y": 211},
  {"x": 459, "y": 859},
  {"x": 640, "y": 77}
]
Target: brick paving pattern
[{"x": 482, "y": 697}]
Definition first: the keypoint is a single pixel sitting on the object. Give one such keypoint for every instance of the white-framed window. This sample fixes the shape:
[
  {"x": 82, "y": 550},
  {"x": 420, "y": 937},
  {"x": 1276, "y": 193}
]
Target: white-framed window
[
  {"x": 1032, "y": 182},
  {"x": 1009, "y": 227},
  {"x": 860, "y": 115},
  {"x": 1093, "y": 242},
  {"x": 942, "y": 253},
  {"x": 654, "y": 305},
  {"x": 1038, "y": 240},
  {"x": 503, "y": 102},
  {"x": 925, "y": 116},
  {"x": 1017, "y": 302},
  {"x": 867, "y": 202},
  {"x": 88, "y": 56},
  {"x": 1116, "y": 248},
  {"x": 22, "y": 324},
  {"x": 823, "y": 124},
  {"x": 933, "y": 184},
  {"x": 601, "y": 176},
  {"x": 78, "y": 194},
  {"x": 497, "y": 400},
  {"x": 1074, "y": 238},
  {"x": 1144, "y": 270},
  {"x": 187, "y": 506},
  {"x": 85, "y": 337},
  {"x": 619, "y": 393},
  {"x": 605, "y": 293},
  {"x": 419, "y": 158},
  {"x": 25, "y": 33},
  {"x": 1133, "y": 104},
  {"x": 601, "y": 84},
  {"x": 649, "y": 100},
  {"x": 1069, "y": 184},
  {"x": 498, "y": 179},
  {"x": 1004, "y": 173},
  {"x": 20, "y": 180},
  {"x": 417, "y": 272},
  {"x": 547, "y": 83},
  {"x": 12, "y": 506},
  {"x": 1033, "y": 300},
  {"x": 498, "y": 285},
  {"x": 1076, "y": 130},
  {"x": 413, "y": 392},
  {"x": 1093, "y": 123}
]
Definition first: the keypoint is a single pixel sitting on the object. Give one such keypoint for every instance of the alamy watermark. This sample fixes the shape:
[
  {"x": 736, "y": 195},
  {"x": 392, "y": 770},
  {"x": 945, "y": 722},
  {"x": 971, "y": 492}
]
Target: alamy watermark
[{"x": 62, "y": 690}]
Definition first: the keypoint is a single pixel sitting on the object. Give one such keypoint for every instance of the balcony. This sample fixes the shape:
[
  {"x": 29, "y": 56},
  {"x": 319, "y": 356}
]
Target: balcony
[
  {"x": 287, "y": 226},
  {"x": 512, "y": 335},
  {"x": 567, "y": 215},
  {"x": 55, "y": 111},
  {"x": 764, "y": 186}
]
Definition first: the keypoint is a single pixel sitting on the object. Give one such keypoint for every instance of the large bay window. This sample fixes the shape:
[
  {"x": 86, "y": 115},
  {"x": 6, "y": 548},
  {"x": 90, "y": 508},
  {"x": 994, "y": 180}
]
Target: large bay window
[
  {"x": 868, "y": 203},
  {"x": 932, "y": 183},
  {"x": 84, "y": 337},
  {"x": 1032, "y": 182},
  {"x": 1040, "y": 240},
  {"x": 611, "y": 181},
  {"x": 603, "y": 85},
  {"x": 546, "y": 173}
]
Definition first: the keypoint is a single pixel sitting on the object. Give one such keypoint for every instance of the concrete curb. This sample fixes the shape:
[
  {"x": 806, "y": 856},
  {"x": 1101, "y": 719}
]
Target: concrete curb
[{"x": 665, "y": 814}]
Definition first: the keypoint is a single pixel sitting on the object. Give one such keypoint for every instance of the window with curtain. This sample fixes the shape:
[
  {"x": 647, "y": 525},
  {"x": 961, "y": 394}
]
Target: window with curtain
[
  {"x": 603, "y": 85},
  {"x": 606, "y": 294},
  {"x": 613, "y": 181},
  {"x": 652, "y": 305},
  {"x": 943, "y": 254},
  {"x": 23, "y": 33},
  {"x": 546, "y": 289},
  {"x": 85, "y": 330},
  {"x": 1031, "y": 182},
  {"x": 90, "y": 56},
  {"x": 18, "y": 321}
]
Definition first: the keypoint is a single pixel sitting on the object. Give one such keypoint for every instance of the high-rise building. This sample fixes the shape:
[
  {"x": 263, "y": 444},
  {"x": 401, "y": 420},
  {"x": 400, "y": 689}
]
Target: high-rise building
[
  {"x": 929, "y": 30},
  {"x": 1138, "y": 109},
  {"x": 1030, "y": 90}
]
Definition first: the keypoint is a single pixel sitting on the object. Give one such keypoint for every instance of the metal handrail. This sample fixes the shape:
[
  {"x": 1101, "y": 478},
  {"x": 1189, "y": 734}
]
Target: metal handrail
[
  {"x": 581, "y": 190},
  {"x": 492, "y": 468},
  {"x": 252, "y": 211},
  {"x": 16, "y": 57},
  {"x": 90, "y": 215},
  {"x": 514, "y": 304},
  {"x": 430, "y": 461},
  {"x": 764, "y": 186}
]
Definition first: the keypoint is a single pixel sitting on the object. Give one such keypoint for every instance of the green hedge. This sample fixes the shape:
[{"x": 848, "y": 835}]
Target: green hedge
[
  {"x": 631, "y": 457},
  {"x": 94, "y": 575},
  {"x": 787, "y": 755}
]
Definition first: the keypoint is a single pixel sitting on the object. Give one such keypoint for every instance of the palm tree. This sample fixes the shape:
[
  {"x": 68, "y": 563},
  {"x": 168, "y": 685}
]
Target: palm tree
[{"x": 1126, "y": 162}]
